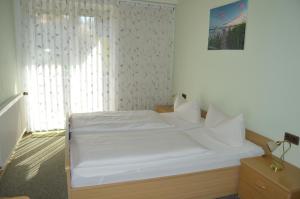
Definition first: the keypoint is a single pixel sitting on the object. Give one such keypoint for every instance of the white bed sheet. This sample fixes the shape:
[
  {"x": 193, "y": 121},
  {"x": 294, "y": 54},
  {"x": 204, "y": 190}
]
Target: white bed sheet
[
  {"x": 116, "y": 121},
  {"x": 219, "y": 156},
  {"x": 106, "y": 150},
  {"x": 174, "y": 120}
]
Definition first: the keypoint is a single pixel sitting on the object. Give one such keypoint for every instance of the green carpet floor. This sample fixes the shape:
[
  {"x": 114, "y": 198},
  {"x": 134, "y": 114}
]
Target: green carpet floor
[{"x": 37, "y": 169}]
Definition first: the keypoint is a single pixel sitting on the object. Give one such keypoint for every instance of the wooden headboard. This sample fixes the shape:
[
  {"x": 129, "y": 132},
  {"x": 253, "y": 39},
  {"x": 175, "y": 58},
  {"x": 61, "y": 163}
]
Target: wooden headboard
[{"x": 256, "y": 138}]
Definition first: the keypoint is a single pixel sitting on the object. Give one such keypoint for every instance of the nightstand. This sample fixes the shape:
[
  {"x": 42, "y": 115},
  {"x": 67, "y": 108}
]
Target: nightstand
[
  {"x": 259, "y": 181},
  {"x": 164, "y": 108}
]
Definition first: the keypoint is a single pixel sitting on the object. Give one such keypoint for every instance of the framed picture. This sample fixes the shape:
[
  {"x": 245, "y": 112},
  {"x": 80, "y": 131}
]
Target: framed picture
[{"x": 227, "y": 26}]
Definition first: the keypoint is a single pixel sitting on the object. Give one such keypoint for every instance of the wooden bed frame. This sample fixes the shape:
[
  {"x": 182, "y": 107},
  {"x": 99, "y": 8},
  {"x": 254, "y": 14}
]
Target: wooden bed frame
[{"x": 205, "y": 184}]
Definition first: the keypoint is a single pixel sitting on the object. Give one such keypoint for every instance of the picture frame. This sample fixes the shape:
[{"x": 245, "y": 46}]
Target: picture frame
[{"x": 227, "y": 26}]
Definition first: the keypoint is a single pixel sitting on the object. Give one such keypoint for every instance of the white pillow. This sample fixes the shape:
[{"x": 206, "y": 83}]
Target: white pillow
[
  {"x": 189, "y": 111},
  {"x": 230, "y": 131},
  {"x": 214, "y": 116},
  {"x": 179, "y": 100}
]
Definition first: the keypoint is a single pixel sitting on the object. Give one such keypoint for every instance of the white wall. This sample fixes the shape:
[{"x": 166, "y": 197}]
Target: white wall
[
  {"x": 262, "y": 81},
  {"x": 9, "y": 72},
  {"x": 12, "y": 124}
]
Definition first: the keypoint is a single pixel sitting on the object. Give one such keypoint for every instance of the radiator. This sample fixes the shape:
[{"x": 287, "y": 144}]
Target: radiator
[{"x": 12, "y": 126}]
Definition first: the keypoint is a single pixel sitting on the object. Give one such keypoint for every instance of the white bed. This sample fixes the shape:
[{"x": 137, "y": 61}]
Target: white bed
[
  {"x": 205, "y": 153},
  {"x": 175, "y": 120},
  {"x": 116, "y": 121},
  {"x": 127, "y": 121}
]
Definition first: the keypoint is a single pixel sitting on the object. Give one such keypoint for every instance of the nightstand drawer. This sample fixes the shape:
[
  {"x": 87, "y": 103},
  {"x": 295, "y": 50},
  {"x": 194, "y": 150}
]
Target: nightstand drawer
[
  {"x": 247, "y": 192},
  {"x": 261, "y": 187}
]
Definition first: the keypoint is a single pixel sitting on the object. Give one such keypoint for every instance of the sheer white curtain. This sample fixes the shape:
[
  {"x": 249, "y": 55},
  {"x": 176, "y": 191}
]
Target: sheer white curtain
[
  {"x": 67, "y": 52},
  {"x": 94, "y": 55}
]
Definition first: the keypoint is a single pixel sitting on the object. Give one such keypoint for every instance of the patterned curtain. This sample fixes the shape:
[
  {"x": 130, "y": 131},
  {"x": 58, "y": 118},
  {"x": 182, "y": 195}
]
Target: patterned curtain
[
  {"x": 145, "y": 55},
  {"x": 94, "y": 55}
]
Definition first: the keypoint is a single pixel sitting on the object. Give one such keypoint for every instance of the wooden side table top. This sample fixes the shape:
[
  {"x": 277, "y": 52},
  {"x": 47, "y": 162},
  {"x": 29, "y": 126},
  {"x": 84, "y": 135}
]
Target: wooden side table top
[{"x": 164, "y": 108}]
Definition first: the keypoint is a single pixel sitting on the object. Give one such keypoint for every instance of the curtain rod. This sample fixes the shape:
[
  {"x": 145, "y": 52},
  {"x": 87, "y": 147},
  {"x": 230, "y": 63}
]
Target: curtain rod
[{"x": 149, "y": 2}]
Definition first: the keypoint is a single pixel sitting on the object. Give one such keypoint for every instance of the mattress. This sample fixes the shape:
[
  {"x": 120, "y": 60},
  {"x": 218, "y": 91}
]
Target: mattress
[
  {"x": 218, "y": 155},
  {"x": 116, "y": 121}
]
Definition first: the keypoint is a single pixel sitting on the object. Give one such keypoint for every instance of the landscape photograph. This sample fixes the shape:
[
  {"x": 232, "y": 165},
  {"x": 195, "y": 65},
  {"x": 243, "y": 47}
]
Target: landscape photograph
[{"x": 227, "y": 26}]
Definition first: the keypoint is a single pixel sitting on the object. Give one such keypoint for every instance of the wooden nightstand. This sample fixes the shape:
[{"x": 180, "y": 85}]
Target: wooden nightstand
[
  {"x": 164, "y": 108},
  {"x": 258, "y": 181}
]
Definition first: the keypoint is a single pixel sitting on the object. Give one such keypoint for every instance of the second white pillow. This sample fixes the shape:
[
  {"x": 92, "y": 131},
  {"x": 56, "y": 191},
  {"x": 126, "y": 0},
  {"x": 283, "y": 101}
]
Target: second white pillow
[
  {"x": 214, "y": 116},
  {"x": 230, "y": 131},
  {"x": 189, "y": 111}
]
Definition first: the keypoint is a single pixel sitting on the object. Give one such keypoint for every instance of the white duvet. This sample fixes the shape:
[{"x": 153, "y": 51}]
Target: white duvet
[
  {"x": 116, "y": 121},
  {"x": 118, "y": 152}
]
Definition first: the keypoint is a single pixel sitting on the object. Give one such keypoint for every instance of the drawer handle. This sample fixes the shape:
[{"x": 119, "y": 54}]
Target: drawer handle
[{"x": 260, "y": 186}]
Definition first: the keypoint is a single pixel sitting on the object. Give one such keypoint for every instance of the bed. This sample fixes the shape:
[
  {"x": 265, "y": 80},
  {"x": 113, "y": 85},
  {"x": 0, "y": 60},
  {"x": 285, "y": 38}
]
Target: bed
[
  {"x": 116, "y": 121},
  {"x": 205, "y": 170}
]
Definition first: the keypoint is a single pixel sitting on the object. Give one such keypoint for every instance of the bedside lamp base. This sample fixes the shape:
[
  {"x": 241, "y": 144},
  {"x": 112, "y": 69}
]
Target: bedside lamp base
[{"x": 277, "y": 166}]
